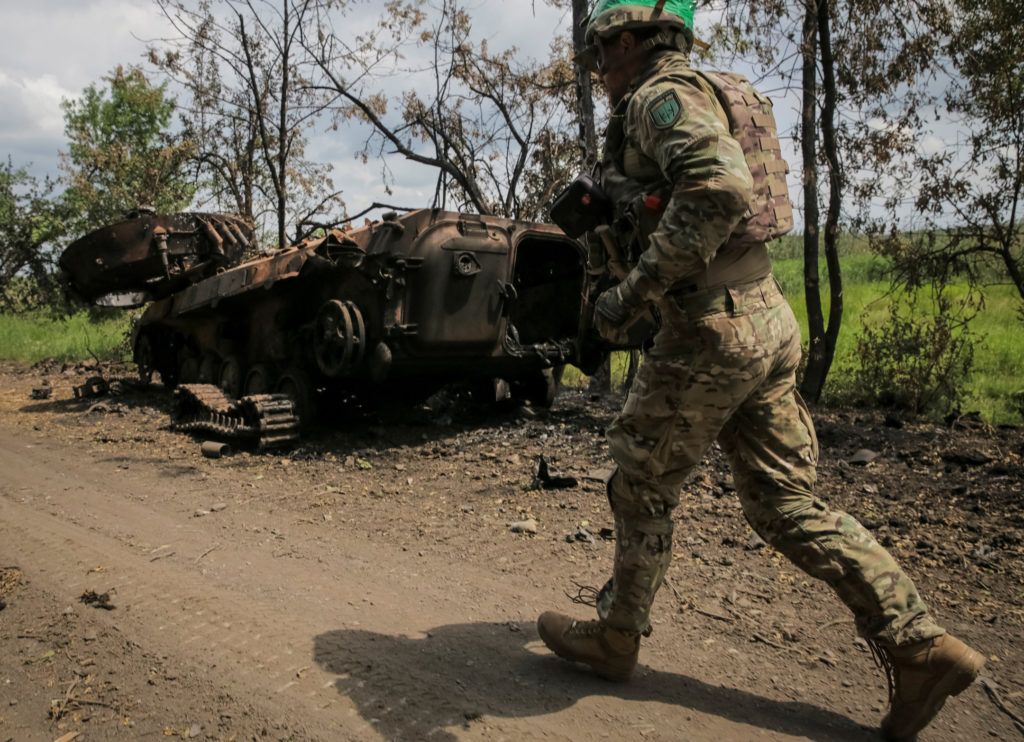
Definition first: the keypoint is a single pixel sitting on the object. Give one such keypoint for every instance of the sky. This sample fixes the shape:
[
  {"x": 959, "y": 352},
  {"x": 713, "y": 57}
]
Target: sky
[{"x": 51, "y": 49}]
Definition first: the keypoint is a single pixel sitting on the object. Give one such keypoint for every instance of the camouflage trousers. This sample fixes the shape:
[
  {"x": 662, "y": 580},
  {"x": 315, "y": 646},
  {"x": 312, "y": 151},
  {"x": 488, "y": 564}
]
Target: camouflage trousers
[{"x": 724, "y": 367}]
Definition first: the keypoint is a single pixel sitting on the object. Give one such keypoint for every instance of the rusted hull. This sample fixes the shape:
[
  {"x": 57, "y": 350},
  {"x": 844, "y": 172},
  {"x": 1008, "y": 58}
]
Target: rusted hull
[
  {"x": 399, "y": 306},
  {"x": 150, "y": 256}
]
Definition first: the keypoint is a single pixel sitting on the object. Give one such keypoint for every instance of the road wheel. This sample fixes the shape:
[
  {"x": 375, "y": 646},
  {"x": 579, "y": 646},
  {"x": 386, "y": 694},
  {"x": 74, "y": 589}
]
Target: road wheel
[
  {"x": 231, "y": 377},
  {"x": 188, "y": 370},
  {"x": 296, "y": 384},
  {"x": 490, "y": 392},
  {"x": 261, "y": 379},
  {"x": 168, "y": 375},
  {"x": 145, "y": 359},
  {"x": 540, "y": 388},
  {"x": 209, "y": 368}
]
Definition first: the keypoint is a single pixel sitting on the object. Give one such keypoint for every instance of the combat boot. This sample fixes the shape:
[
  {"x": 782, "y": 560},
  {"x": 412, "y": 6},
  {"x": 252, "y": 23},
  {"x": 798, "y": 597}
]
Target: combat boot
[
  {"x": 612, "y": 654},
  {"x": 921, "y": 677}
]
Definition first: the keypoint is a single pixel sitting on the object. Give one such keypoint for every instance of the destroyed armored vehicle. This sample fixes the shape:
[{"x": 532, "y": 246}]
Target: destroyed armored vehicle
[
  {"x": 394, "y": 309},
  {"x": 148, "y": 257}
]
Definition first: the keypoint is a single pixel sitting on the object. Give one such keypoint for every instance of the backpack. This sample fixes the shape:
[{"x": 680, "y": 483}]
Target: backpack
[{"x": 752, "y": 124}]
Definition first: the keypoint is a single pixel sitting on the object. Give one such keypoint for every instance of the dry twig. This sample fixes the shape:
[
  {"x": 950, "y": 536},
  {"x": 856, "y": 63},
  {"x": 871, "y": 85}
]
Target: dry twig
[
  {"x": 58, "y": 711},
  {"x": 716, "y": 616},
  {"x": 212, "y": 548},
  {"x": 997, "y": 699},
  {"x": 765, "y": 640}
]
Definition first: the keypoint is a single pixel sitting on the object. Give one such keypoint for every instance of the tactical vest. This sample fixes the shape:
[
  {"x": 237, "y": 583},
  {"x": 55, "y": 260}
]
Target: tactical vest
[{"x": 752, "y": 124}]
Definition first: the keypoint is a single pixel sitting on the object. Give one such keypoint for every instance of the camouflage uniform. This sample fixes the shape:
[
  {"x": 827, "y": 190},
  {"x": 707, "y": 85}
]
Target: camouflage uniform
[{"x": 722, "y": 367}]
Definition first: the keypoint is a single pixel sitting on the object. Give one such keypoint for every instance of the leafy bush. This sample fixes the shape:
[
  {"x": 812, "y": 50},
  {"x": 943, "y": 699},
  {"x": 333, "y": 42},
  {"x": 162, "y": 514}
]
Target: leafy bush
[
  {"x": 919, "y": 359},
  {"x": 1017, "y": 399}
]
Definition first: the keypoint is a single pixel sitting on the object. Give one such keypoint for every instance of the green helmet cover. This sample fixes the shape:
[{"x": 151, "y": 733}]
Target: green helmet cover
[{"x": 609, "y": 16}]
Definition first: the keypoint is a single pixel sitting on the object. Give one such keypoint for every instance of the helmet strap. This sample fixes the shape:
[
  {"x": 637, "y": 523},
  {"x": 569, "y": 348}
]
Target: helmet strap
[{"x": 670, "y": 38}]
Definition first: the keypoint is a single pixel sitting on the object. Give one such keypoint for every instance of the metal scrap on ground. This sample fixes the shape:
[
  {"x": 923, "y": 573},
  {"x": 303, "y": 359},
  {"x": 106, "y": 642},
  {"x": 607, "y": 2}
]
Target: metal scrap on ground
[{"x": 544, "y": 479}]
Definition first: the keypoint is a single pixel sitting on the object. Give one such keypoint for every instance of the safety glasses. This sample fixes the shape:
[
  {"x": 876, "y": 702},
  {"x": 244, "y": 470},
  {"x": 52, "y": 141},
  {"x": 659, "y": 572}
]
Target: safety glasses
[{"x": 592, "y": 58}]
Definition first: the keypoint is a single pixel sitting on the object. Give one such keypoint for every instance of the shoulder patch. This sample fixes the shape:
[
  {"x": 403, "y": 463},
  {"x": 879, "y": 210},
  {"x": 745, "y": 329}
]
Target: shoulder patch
[{"x": 665, "y": 109}]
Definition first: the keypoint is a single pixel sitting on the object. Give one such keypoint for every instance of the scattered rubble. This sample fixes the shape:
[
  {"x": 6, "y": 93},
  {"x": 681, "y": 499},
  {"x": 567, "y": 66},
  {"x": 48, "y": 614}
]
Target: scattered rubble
[
  {"x": 97, "y": 600},
  {"x": 862, "y": 457},
  {"x": 582, "y": 534},
  {"x": 966, "y": 458},
  {"x": 94, "y": 386},
  {"x": 544, "y": 479},
  {"x": 524, "y": 526},
  {"x": 107, "y": 409},
  {"x": 215, "y": 449}
]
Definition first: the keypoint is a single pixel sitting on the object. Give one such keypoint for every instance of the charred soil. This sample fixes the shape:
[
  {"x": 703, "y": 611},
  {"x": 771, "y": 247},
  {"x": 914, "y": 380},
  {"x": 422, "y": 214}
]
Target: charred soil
[{"x": 367, "y": 583}]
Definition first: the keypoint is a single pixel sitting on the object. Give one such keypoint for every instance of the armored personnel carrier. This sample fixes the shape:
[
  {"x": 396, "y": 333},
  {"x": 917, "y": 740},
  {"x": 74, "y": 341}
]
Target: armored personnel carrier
[{"x": 394, "y": 309}]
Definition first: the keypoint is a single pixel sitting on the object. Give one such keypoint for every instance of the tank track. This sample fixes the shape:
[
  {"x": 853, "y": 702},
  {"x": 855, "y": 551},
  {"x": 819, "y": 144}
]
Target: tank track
[{"x": 268, "y": 420}]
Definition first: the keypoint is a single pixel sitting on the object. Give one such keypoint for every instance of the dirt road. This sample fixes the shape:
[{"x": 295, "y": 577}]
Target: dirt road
[{"x": 366, "y": 585}]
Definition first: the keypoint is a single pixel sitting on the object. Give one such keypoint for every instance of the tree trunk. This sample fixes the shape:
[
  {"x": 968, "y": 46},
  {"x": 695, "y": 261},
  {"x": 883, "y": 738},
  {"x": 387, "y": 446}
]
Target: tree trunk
[
  {"x": 1013, "y": 268},
  {"x": 809, "y": 151},
  {"x": 584, "y": 89},
  {"x": 601, "y": 380},
  {"x": 815, "y": 384},
  {"x": 631, "y": 369}
]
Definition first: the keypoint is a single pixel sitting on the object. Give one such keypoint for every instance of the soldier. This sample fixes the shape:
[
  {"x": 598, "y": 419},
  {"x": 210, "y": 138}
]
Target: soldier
[{"x": 702, "y": 196}]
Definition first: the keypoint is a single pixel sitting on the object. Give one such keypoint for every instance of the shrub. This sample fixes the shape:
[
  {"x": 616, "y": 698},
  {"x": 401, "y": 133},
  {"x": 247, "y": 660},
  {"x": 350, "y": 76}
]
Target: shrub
[
  {"x": 919, "y": 359},
  {"x": 1017, "y": 400}
]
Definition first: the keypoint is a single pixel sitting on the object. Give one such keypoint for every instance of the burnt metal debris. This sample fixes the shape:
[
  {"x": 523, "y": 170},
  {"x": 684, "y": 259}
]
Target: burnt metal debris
[
  {"x": 544, "y": 479},
  {"x": 215, "y": 449},
  {"x": 94, "y": 386},
  {"x": 147, "y": 256},
  {"x": 97, "y": 600},
  {"x": 392, "y": 310}
]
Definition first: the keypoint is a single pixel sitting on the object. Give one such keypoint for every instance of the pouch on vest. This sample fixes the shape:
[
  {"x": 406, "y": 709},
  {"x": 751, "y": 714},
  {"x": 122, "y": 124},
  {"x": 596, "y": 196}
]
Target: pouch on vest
[{"x": 752, "y": 124}]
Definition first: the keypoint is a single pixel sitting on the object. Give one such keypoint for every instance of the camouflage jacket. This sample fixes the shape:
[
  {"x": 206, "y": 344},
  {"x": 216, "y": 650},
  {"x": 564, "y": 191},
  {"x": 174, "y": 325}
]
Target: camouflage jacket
[{"x": 670, "y": 137}]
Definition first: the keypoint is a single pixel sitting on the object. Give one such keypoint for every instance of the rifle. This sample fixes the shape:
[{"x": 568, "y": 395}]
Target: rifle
[{"x": 584, "y": 208}]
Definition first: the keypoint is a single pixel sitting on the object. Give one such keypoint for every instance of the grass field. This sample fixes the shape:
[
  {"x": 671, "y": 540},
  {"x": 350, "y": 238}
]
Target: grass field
[
  {"x": 998, "y": 369},
  {"x": 998, "y": 356},
  {"x": 33, "y": 337}
]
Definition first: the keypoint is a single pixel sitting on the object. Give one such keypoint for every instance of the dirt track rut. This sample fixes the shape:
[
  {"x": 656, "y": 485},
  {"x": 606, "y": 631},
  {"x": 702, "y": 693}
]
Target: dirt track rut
[
  {"x": 316, "y": 596},
  {"x": 341, "y": 641}
]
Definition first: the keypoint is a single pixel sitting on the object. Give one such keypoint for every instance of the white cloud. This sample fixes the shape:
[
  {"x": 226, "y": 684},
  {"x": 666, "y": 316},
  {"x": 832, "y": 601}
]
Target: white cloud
[
  {"x": 77, "y": 42},
  {"x": 36, "y": 100},
  {"x": 932, "y": 145},
  {"x": 31, "y": 125},
  {"x": 49, "y": 51}
]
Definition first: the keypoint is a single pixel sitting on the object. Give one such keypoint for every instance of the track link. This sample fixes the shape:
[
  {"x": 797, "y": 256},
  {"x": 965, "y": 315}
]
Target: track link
[{"x": 268, "y": 420}]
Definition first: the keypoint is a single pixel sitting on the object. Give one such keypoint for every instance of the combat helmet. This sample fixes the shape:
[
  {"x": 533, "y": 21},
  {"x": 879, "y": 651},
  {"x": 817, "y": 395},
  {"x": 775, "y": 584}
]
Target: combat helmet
[{"x": 673, "y": 18}]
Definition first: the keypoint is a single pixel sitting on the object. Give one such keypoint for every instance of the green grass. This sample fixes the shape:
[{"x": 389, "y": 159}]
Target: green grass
[
  {"x": 29, "y": 338},
  {"x": 998, "y": 330}
]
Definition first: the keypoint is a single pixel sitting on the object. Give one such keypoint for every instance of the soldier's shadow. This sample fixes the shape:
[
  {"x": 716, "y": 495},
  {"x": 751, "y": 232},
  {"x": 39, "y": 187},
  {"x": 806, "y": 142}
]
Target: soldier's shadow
[{"x": 416, "y": 688}]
